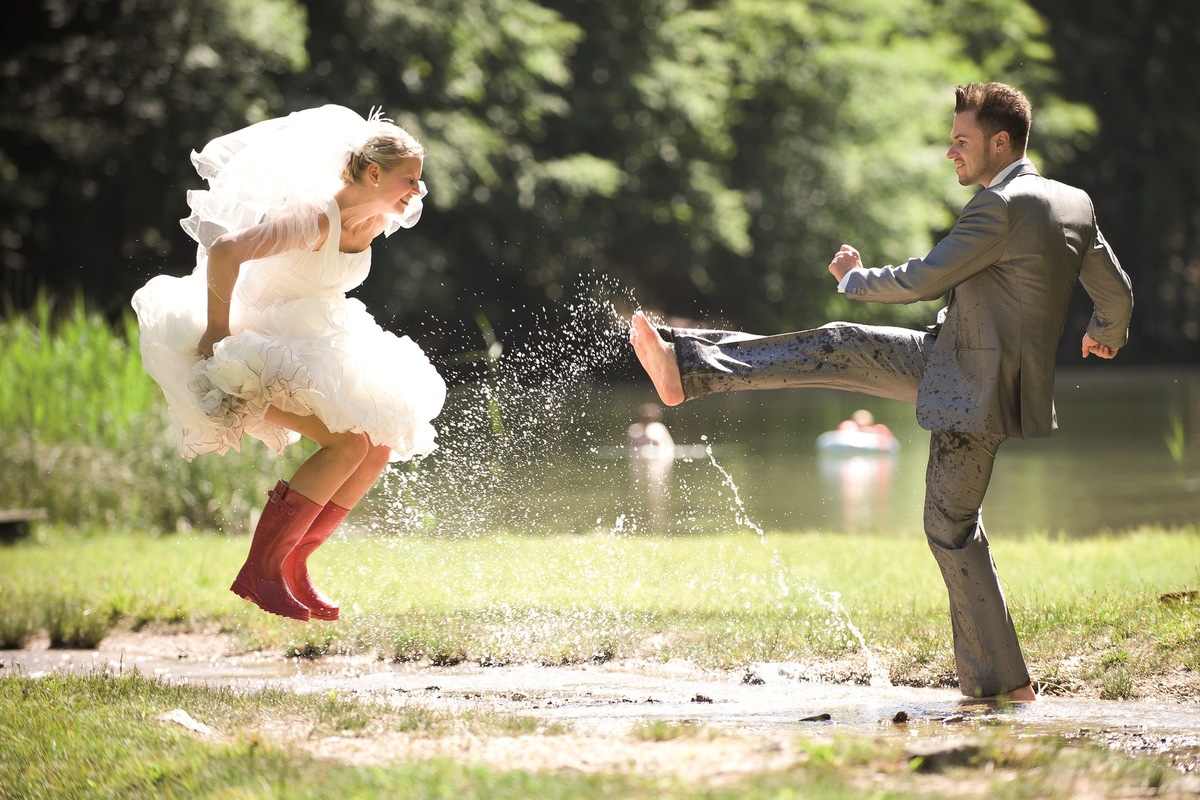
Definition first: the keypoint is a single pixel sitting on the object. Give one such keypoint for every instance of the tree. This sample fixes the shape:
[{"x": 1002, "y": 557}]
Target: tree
[
  {"x": 708, "y": 156},
  {"x": 652, "y": 97},
  {"x": 839, "y": 119},
  {"x": 842, "y": 113},
  {"x": 1134, "y": 62},
  {"x": 477, "y": 81},
  {"x": 103, "y": 102}
]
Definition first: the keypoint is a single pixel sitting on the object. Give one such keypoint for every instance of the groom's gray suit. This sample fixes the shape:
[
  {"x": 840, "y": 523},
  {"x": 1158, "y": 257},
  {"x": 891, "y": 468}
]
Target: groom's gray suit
[{"x": 983, "y": 374}]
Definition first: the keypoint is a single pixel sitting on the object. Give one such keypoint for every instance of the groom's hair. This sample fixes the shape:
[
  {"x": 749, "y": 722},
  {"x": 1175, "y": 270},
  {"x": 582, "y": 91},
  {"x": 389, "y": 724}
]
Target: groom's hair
[{"x": 998, "y": 107}]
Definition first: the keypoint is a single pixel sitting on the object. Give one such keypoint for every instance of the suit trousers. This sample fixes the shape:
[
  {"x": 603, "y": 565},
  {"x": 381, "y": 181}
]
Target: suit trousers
[{"x": 889, "y": 363}]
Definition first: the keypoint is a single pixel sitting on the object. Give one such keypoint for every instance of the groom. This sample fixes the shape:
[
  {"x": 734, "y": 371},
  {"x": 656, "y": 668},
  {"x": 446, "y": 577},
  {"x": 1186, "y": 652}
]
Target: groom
[{"x": 983, "y": 374}]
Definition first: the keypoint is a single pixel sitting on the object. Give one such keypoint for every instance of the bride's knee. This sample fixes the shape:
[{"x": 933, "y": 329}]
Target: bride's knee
[
  {"x": 350, "y": 448},
  {"x": 377, "y": 457}
]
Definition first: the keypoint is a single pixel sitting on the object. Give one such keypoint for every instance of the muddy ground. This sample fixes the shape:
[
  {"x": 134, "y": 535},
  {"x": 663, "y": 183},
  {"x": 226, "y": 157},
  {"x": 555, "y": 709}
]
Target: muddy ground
[{"x": 761, "y": 718}]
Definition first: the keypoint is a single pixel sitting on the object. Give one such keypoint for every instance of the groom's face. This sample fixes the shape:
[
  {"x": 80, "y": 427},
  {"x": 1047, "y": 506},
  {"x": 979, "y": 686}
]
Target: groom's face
[{"x": 977, "y": 157}]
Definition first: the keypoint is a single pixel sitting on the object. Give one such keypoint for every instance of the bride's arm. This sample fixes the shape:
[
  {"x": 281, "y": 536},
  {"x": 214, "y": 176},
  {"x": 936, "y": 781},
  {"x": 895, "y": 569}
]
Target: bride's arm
[{"x": 229, "y": 251}]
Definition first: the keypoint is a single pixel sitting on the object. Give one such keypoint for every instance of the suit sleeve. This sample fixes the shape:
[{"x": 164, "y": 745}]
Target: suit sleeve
[
  {"x": 974, "y": 243},
  {"x": 1111, "y": 291}
]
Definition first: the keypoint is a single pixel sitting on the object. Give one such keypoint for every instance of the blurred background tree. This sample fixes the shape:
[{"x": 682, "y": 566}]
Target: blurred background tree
[
  {"x": 708, "y": 155},
  {"x": 103, "y": 102},
  {"x": 1134, "y": 62}
]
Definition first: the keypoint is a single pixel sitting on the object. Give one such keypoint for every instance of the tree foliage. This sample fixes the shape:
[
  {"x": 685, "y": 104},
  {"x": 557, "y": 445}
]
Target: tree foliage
[
  {"x": 708, "y": 155},
  {"x": 1134, "y": 62},
  {"x": 102, "y": 103}
]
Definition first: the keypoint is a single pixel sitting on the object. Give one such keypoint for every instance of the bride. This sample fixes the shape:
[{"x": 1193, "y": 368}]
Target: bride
[{"x": 261, "y": 340}]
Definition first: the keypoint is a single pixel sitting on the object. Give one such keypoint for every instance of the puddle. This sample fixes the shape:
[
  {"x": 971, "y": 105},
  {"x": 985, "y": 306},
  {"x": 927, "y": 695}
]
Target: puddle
[{"x": 614, "y": 698}]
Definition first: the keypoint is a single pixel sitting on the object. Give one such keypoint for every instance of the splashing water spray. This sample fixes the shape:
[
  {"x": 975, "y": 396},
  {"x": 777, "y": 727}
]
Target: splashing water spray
[
  {"x": 508, "y": 465},
  {"x": 830, "y": 601}
]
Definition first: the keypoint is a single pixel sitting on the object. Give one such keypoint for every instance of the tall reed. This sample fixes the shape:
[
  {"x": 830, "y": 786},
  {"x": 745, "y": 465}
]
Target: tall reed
[{"x": 87, "y": 438}]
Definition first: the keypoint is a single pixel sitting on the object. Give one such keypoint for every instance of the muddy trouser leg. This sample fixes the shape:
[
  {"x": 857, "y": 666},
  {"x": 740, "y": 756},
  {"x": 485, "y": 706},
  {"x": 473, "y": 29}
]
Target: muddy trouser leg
[
  {"x": 986, "y": 651},
  {"x": 875, "y": 360},
  {"x": 887, "y": 362}
]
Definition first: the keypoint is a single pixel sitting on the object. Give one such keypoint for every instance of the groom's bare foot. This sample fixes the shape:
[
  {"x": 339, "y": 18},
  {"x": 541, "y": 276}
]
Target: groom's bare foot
[
  {"x": 658, "y": 359},
  {"x": 1023, "y": 695}
]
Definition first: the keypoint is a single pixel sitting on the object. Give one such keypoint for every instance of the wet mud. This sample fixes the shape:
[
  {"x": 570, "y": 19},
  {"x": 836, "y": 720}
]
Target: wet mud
[{"x": 763, "y": 702}]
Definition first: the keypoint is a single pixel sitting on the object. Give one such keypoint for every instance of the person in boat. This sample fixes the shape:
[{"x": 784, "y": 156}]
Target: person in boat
[{"x": 863, "y": 421}]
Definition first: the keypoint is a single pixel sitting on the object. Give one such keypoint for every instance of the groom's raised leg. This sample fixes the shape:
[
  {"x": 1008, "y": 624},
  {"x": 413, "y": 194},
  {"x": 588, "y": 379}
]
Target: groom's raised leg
[
  {"x": 657, "y": 357},
  {"x": 876, "y": 360}
]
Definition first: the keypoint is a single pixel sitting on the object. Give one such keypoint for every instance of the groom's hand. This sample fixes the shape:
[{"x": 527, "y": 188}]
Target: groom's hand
[
  {"x": 1092, "y": 347},
  {"x": 846, "y": 259}
]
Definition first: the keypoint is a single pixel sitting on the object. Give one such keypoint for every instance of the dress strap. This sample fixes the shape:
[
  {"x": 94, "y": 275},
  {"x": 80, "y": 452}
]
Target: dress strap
[{"x": 334, "y": 237}]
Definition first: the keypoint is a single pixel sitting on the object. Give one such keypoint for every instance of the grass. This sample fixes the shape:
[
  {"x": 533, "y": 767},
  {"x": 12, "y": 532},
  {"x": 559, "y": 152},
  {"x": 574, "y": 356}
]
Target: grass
[
  {"x": 717, "y": 600},
  {"x": 1089, "y": 611},
  {"x": 100, "y": 735}
]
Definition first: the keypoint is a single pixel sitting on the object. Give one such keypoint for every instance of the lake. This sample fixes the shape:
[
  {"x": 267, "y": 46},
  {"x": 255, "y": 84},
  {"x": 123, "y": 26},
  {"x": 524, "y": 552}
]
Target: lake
[
  {"x": 1107, "y": 467},
  {"x": 549, "y": 458}
]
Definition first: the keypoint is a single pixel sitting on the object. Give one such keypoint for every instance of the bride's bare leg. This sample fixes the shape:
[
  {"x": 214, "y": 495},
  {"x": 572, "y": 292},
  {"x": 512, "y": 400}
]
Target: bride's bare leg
[
  {"x": 337, "y": 476},
  {"x": 658, "y": 359},
  {"x": 325, "y": 472},
  {"x": 368, "y": 472},
  {"x": 343, "y": 470}
]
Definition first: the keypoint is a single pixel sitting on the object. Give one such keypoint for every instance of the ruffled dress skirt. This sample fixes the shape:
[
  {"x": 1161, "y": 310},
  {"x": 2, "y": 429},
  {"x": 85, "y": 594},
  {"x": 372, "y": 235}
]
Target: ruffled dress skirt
[
  {"x": 324, "y": 356},
  {"x": 297, "y": 341}
]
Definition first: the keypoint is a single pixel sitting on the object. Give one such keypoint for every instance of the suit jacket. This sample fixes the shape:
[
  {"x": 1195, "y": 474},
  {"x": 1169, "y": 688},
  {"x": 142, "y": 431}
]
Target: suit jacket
[{"x": 1009, "y": 265}]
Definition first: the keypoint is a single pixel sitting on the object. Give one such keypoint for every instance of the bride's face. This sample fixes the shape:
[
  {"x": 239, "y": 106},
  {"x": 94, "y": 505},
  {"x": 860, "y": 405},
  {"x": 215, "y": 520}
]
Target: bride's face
[{"x": 399, "y": 185}]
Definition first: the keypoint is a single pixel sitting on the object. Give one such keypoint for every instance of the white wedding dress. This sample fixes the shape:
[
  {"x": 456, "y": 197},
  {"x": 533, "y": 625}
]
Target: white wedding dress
[{"x": 297, "y": 342}]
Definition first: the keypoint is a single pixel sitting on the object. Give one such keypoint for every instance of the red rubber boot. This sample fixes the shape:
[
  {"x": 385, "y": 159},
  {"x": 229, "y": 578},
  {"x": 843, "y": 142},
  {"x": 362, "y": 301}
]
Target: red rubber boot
[
  {"x": 285, "y": 519},
  {"x": 295, "y": 565}
]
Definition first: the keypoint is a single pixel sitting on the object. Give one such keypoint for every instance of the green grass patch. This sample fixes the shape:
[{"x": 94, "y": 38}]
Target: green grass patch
[
  {"x": 720, "y": 601},
  {"x": 665, "y": 730},
  {"x": 100, "y": 736},
  {"x": 103, "y": 735}
]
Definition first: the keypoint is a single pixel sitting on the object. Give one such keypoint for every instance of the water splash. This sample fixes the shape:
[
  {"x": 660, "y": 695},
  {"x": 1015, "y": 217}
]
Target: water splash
[
  {"x": 509, "y": 462},
  {"x": 509, "y": 431},
  {"x": 829, "y": 600}
]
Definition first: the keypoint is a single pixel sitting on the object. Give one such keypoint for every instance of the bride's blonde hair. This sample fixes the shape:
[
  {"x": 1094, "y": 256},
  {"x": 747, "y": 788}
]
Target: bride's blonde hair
[{"x": 387, "y": 147}]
